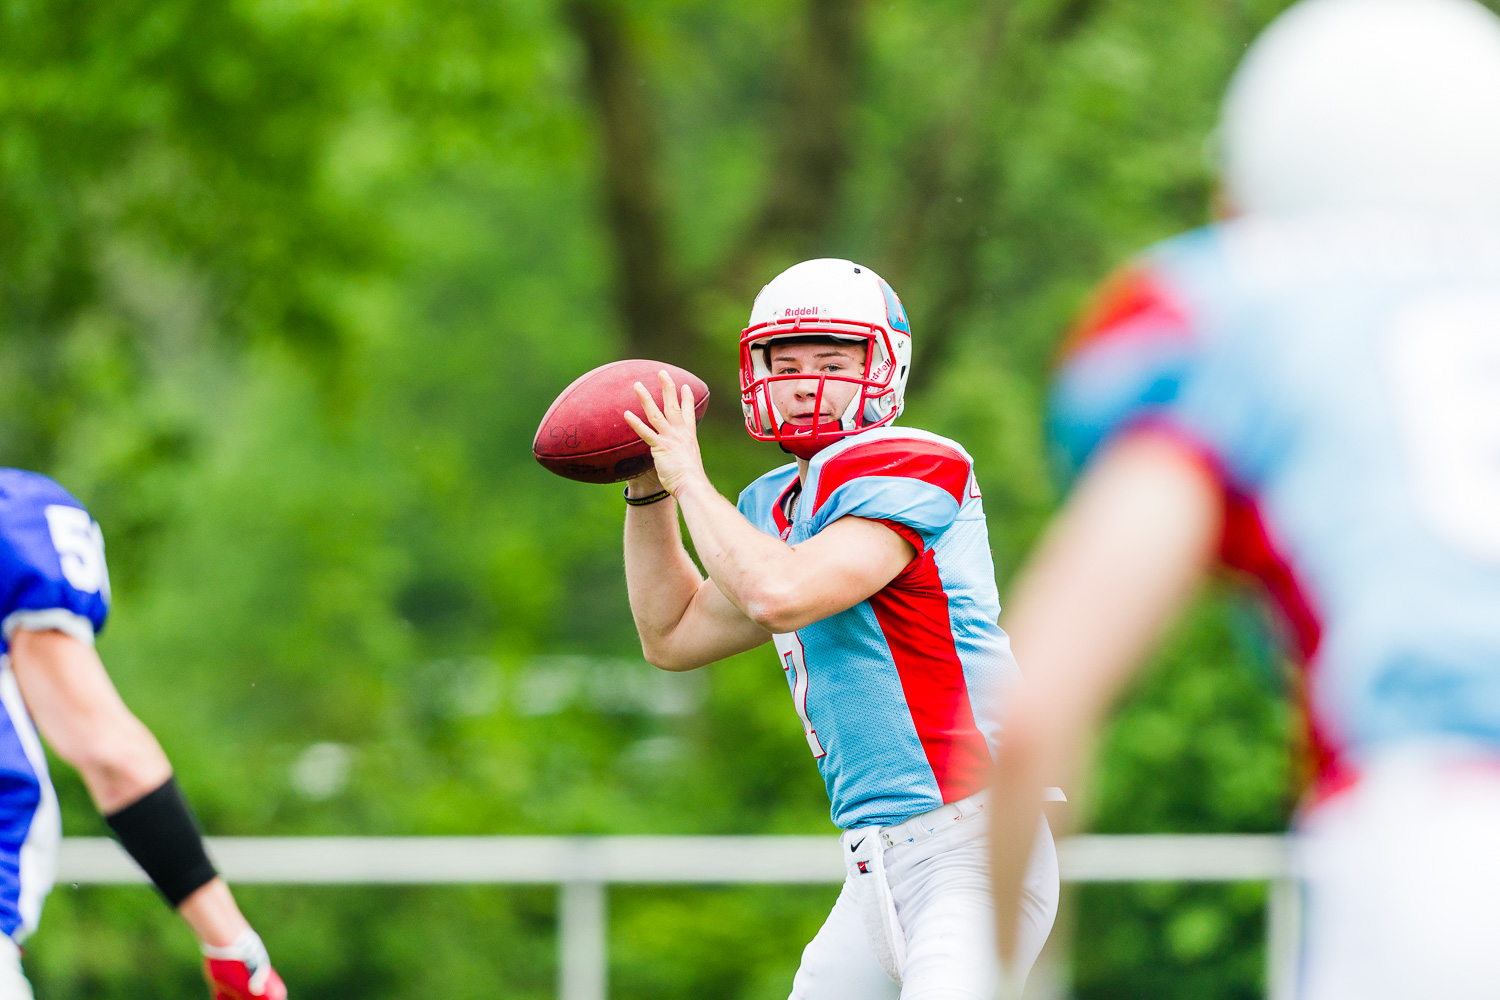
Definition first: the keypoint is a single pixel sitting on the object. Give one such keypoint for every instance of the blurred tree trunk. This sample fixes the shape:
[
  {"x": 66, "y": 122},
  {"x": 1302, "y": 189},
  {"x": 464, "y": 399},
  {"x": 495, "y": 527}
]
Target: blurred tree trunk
[
  {"x": 810, "y": 161},
  {"x": 954, "y": 193},
  {"x": 957, "y": 174},
  {"x": 811, "y": 155},
  {"x": 954, "y": 169},
  {"x": 650, "y": 301}
]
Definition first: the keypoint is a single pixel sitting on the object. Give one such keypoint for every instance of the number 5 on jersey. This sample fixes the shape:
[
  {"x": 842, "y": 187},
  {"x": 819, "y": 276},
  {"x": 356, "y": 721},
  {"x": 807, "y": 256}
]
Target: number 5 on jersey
[
  {"x": 80, "y": 548},
  {"x": 794, "y": 662}
]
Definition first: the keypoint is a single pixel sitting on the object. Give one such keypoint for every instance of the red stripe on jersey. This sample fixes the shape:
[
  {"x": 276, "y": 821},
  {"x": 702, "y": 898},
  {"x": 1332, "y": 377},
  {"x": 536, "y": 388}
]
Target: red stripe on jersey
[
  {"x": 1245, "y": 546},
  {"x": 783, "y": 524},
  {"x": 1131, "y": 302},
  {"x": 937, "y": 464},
  {"x": 913, "y": 614}
]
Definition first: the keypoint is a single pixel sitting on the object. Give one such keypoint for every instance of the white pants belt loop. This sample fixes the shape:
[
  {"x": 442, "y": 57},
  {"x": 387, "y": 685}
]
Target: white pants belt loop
[
  {"x": 924, "y": 825},
  {"x": 864, "y": 866}
]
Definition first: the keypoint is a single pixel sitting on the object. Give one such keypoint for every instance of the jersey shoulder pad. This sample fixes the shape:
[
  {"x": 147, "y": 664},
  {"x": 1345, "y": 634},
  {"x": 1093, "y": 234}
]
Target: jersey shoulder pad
[
  {"x": 52, "y": 568},
  {"x": 898, "y": 474},
  {"x": 1134, "y": 344}
]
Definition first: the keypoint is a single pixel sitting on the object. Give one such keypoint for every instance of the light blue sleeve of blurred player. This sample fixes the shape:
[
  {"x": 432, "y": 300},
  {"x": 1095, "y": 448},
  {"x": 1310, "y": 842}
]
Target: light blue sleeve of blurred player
[{"x": 1163, "y": 347}]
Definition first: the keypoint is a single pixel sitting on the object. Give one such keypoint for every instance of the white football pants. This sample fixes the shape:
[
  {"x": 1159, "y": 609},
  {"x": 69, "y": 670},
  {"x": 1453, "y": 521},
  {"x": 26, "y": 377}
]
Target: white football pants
[
  {"x": 1402, "y": 877},
  {"x": 13, "y": 984},
  {"x": 945, "y": 913}
]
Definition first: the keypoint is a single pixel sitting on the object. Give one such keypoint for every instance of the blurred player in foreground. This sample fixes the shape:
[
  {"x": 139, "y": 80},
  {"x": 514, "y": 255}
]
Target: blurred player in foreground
[
  {"x": 867, "y": 563},
  {"x": 1311, "y": 393},
  {"x": 54, "y": 595}
]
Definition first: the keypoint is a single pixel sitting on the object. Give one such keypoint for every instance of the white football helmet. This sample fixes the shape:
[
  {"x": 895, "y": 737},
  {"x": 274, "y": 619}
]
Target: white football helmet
[
  {"x": 837, "y": 300},
  {"x": 1367, "y": 104}
]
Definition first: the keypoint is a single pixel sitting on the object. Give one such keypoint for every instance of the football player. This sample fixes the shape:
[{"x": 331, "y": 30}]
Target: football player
[
  {"x": 1310, "y": 393},
  {"x": 866, "y": 562},
  {"x": 54, "y": 596}
]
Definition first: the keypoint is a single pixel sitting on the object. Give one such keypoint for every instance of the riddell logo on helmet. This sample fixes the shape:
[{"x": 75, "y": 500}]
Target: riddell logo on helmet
[{"x": 798, "y": 312}]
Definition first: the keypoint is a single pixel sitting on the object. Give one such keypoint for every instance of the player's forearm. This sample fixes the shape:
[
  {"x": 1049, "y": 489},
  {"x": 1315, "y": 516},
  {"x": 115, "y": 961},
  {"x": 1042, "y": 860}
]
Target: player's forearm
[
  {"x": 660, "y": 576},
  {"x": 1036, "y": 750},
  {"x": 119, "y": 761},
  {"x": 755, "y": 571},
  {"x": 213, "y": 915},
  {"x": 1112, "y": 570}
]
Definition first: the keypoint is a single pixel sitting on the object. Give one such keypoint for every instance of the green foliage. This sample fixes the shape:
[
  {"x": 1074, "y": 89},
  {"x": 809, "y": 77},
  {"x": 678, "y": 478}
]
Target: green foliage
[{"x": 284, "y": 288}]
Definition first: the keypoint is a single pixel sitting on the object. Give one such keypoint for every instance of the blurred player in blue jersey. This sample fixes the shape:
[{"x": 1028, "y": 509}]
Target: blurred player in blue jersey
[
  {"x": 54, "y": 596},
  {"x": 1310, "y": 393},
  {"x": 867, "y": 563}
]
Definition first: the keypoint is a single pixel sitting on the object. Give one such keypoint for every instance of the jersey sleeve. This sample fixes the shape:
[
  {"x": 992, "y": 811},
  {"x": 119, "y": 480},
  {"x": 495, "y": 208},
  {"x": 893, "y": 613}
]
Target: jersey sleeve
[
  {"x": 914, "y": 485},
  {"x": 1123, "y": 365},
  {"x": 52, "y": 569},
  {"x": 1173, "y": 343}
]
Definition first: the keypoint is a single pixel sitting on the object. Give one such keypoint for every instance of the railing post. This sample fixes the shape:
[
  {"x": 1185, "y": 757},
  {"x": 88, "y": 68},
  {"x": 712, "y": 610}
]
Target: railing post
[
  {"x": 1283, "y": 938},
  {"x": 583, "y": 943}
]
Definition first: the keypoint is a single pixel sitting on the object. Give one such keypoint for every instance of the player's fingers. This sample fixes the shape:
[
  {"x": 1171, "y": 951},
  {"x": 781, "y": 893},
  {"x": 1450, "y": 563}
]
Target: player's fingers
[
  {"x": 686, "y": 406},
  {"x": 668, "y": 395},
  {"x": 649, "y": 407},
  {"x": 638, "y": 425}
]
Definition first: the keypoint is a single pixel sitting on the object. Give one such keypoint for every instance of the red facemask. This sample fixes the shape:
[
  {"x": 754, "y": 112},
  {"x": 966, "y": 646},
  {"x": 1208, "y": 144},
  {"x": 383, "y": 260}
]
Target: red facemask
[{"x": 806, "y": 440}]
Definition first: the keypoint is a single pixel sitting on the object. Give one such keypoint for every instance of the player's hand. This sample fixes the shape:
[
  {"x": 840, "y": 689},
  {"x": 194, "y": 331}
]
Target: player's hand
[
  {"x": 242, "y": 971},
  {"x": 672, "y": 432}
]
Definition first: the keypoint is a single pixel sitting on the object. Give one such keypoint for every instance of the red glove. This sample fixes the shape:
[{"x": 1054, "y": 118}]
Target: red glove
[{"x": 242, "y": 971}]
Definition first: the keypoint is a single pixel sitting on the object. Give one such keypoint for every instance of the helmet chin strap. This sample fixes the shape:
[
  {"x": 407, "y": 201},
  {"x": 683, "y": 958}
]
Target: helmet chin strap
[{"x": 851, "y": 412}]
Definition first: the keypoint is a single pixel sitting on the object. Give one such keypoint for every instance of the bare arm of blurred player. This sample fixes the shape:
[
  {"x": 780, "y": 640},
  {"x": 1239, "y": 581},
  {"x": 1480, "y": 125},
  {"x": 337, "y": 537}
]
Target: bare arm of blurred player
[
  {"x": 757, "y": 584},
  {"x": 1114, "y": 567},
  {"x": 80, "y": 714}
]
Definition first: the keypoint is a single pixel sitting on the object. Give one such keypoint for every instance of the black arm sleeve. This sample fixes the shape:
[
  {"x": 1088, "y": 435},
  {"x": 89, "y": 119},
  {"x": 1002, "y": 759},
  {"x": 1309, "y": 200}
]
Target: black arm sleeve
[{"x": 158, "y": 830}]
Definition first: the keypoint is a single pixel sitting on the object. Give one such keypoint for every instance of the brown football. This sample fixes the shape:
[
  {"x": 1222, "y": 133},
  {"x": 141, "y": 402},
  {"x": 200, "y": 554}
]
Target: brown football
[{"x": 584, "y": 435}]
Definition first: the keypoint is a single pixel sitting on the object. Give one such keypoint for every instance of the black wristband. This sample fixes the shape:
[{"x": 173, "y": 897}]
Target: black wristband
[
  {"x": 656, "y": 497},
  {"x": 158, "y": 830}
]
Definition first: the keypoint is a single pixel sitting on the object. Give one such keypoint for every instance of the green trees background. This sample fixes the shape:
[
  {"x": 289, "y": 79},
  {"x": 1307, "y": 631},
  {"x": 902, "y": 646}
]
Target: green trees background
[{"x": 285, "y": 286}]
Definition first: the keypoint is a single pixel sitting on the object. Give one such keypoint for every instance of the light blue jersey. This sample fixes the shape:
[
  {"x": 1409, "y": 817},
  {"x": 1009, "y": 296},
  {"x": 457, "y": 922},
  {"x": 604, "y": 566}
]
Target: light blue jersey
[
  {"x": 1342, "y": 376},
  {"x": 898, "y": 695},
  {"x": 52, "y": 576}
]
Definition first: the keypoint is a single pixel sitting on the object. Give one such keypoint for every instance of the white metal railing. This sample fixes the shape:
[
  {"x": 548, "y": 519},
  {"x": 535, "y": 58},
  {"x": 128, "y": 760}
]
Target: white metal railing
[{"x": 583, "y": 867}]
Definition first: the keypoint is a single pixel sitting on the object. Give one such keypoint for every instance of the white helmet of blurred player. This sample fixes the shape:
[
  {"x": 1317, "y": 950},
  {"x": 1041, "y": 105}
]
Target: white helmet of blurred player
[
  {"x": 826, "y": 299},
  {"x": 1367, "y": 105}
]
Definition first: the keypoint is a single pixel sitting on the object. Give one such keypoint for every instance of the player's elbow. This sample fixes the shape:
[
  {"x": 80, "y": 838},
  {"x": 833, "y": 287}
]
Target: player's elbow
[
  {"x": 663, "y": 656},
  {"x": 777, "y": 608}
]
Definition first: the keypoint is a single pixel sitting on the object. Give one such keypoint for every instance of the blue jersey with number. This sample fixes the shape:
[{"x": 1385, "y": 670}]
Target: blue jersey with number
[
  {"x": 52, "y": 576},
  {"x": 899, "y": 695},
  {"x": 1342, "y": 378}
]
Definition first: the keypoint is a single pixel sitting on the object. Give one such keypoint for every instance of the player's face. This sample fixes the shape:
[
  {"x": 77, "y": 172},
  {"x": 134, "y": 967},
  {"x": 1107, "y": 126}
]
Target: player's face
[{"x": 797, "y": 399}]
